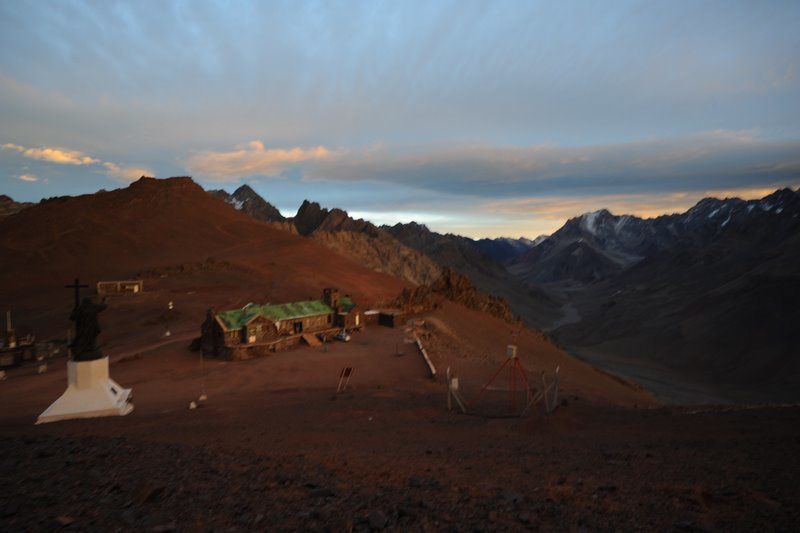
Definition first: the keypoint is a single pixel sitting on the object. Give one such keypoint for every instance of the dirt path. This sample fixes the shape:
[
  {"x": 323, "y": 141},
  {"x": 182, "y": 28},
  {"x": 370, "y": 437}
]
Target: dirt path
[{"x": 175, "y": 338}]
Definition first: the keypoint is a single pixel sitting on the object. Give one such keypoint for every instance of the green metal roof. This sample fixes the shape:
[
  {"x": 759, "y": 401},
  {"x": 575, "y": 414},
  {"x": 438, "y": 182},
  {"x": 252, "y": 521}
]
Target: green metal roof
[
  {"x": 346, "y": 303},
  {"x": 236, "y": 318}
]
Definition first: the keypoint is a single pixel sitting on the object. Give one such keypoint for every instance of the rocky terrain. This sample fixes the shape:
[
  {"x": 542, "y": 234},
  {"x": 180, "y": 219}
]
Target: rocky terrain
[
  {"x": 361, "y": 239},
  {"x": 336, "y": 230},
  {"x": 533, "y": 305},
  {"x": 381, "y": 253},
  {"x": 456, "y": 288},
  {"x": 249, "y": 202},
  {"x": 8, "y": 206},
  {"x": 665, "y": 470}
]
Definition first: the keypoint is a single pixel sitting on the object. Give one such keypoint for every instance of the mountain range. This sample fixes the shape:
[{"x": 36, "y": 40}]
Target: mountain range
[
  {"x": 713, "y": 292},
  {"x": 710, "y": 296}
]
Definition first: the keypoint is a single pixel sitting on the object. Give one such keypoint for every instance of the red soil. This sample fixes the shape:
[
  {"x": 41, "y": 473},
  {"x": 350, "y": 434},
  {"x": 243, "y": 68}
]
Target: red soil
[{"x": 275, "y": 448}]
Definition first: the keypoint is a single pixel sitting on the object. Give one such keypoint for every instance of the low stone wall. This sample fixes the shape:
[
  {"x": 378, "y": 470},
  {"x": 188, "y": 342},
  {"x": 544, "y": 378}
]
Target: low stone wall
[{"x": 241, "y": 352}]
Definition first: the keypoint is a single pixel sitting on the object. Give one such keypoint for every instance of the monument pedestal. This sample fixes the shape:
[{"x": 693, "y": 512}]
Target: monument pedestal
[{"x": 90, "y": 393}]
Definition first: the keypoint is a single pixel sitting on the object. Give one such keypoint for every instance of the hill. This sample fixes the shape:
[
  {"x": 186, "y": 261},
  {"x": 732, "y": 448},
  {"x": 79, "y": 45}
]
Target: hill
[
  {"x": 8, "y": 206},
  {"x": 166, "y": 230}
]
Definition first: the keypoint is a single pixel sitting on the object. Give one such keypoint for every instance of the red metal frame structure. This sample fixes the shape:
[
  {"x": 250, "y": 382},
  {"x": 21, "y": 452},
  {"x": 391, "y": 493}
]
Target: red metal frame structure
[{"x": 515, "y": 369}]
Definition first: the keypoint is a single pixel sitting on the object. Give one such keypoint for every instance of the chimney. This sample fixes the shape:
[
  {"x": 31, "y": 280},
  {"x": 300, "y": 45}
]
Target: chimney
[{"x": 331, "y": 297}]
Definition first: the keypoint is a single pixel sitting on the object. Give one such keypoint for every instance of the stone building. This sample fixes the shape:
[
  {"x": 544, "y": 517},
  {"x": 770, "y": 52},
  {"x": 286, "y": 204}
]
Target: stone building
[{"x": 260, "y": 329}]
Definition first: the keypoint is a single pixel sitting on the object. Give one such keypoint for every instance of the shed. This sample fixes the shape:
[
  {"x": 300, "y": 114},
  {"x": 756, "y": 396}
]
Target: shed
[
  {"x": 131, "y": 286},
  {"x": 392, "y": 317}
]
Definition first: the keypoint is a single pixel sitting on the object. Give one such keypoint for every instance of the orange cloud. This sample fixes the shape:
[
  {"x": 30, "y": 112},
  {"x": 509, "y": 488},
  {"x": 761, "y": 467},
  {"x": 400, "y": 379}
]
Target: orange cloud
[
  {"x": 126, "y": 173},
  {"x": 250, "y": 159},
  {"x": 64, "y": 156},
  {"x": 60, "y": 156}
]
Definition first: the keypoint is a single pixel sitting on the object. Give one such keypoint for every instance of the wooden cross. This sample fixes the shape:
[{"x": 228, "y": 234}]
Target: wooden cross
[{"x": 77, "y": 286}]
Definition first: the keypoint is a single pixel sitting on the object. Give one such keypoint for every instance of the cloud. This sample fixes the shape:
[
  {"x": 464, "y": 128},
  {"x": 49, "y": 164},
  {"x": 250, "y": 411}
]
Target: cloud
[
  {"x": 59, "y": 156},
  {"x": 251, "y": 159},
  {"x": 126, "y": 173},
  {"x": 718, "y": 159},
  {"x": 65, "y": 156}
]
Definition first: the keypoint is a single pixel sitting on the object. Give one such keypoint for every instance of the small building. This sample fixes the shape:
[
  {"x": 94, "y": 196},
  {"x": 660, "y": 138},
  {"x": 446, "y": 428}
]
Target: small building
[
  {"x": 110, "y": 288},
  {"x": 16, "y": 346},
  {"x": 392, "y": 318},
  {"x": 260, "y": 329},
  {"x": 371, "y": 317}
]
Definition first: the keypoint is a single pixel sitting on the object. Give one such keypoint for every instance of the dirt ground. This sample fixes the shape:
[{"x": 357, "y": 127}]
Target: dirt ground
[{"x": 274, "y": 448}]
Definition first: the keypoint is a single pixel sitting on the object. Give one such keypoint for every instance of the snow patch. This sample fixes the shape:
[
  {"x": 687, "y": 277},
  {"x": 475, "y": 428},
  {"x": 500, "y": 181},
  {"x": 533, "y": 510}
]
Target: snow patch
[
  {"x": 620, "y": 223},
  {"x": 589, "y": 222},
  {"x": 237, "y": 204}
]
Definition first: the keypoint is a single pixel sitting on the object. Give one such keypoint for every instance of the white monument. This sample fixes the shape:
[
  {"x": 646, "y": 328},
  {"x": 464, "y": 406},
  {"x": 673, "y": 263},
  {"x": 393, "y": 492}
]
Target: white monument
[{"x": 90, "y": 393}]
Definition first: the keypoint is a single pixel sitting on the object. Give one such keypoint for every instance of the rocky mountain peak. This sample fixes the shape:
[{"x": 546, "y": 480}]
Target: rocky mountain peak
[{"x": 248, "y": 201}]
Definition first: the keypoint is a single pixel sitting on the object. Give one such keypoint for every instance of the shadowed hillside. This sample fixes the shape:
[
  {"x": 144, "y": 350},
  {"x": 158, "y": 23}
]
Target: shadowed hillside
[{"x": 170, "y": 223}]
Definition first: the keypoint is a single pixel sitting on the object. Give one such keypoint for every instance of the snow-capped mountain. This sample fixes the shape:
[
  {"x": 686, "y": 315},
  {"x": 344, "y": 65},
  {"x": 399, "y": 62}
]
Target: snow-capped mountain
[
  {"x": 598, "y": 245},
  {"x": 248, "y": 201}
]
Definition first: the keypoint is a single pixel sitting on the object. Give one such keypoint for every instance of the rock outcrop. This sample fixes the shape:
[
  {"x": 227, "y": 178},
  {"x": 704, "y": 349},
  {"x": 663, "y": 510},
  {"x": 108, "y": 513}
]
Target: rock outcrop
[
  {"x": 457, "y": 288},
  {"x": 381, "y": 253},
  {"x": 9, "y": 207},
  {"x": 248, "y": 201}
]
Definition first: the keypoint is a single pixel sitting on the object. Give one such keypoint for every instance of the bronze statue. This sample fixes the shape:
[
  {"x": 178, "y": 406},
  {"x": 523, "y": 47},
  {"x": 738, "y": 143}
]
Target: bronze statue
[{"x": 87, "y": 328}]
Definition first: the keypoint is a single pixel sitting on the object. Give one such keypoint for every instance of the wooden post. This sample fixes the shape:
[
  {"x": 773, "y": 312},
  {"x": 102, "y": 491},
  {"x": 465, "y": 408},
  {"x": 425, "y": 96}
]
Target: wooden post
[
  {"x": 544, "y": 393},
  {"x": 449, "y": 392},
  {"x": 555, "y": 390},
  {"x": 453, "y": 387},
  {"x": 431, "y": 368}
]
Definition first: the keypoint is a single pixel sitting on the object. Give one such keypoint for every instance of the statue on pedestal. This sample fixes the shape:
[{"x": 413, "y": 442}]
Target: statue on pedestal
[
  {"x": 90, "y": 390},
  {"x": 87, "y": 328}
]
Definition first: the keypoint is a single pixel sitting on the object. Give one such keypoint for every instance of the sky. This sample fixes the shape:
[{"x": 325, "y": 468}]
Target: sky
[{"x": 478, "y": 118}]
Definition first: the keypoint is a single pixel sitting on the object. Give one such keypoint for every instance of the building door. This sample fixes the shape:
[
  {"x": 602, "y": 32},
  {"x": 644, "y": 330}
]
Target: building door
[{"x": 298, "y": 327}]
